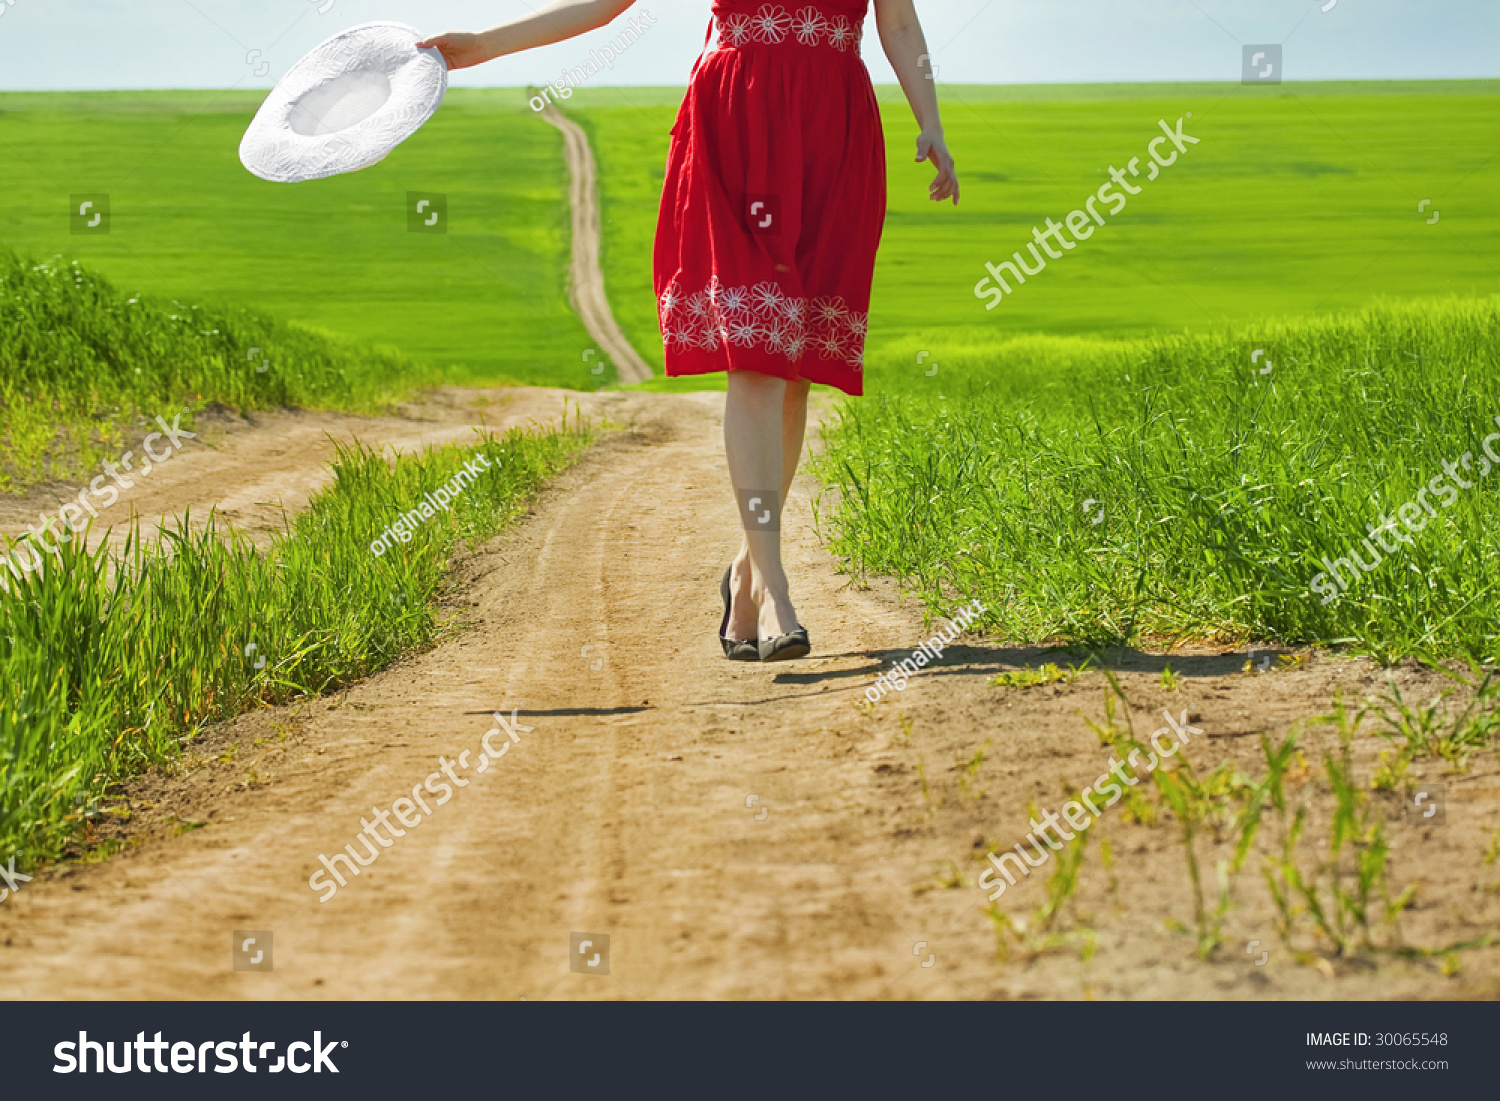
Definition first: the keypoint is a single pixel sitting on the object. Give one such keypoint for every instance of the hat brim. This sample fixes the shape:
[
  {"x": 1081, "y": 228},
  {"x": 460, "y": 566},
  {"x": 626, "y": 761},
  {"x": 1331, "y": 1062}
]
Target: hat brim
[{"x": 298, "y": 133}]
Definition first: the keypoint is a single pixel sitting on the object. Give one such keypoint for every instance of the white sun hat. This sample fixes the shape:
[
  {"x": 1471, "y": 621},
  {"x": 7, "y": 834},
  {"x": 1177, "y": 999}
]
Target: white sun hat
[{"x": 345, "y": 105}]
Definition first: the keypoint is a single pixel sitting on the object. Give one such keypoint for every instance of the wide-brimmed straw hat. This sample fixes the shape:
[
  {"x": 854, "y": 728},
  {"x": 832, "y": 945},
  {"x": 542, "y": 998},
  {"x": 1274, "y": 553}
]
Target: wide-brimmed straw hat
[{"x": 346, "y": 104}]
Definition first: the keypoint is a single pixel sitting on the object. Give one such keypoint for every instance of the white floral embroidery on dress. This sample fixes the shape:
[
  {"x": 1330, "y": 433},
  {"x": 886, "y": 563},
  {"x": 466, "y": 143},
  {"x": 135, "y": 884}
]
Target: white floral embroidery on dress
[
  {"x": 734, "y": 30},
  {"x": 771, "y": 26},
  {"x": 841, "y": 34},
  {"x": 763, "y": 316},
  {"x": 766, "y": 298},
  {"x": 771, "y": 23},
  {"x": 809, "y": 26},
  {"x": 735, "y": 300},
  {"x": 831, "y": 311}
]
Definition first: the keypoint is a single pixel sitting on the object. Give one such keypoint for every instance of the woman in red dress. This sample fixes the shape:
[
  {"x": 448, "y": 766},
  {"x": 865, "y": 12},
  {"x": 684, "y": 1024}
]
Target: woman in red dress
[{"x": 771, "y": 215}]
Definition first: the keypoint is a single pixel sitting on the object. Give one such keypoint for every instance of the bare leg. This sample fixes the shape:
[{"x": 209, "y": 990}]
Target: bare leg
[{"x": 747, "y": 582}]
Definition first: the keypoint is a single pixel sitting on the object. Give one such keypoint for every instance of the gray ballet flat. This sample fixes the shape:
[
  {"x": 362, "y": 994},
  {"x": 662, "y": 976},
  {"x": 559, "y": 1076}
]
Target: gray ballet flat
[{"x": 787, "y": 647}]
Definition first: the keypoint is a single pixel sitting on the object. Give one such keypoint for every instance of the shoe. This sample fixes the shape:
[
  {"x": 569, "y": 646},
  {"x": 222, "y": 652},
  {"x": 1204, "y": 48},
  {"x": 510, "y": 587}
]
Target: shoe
[
  {"x": 735, "y": 649},
  {"x": 793, "y": 644}
]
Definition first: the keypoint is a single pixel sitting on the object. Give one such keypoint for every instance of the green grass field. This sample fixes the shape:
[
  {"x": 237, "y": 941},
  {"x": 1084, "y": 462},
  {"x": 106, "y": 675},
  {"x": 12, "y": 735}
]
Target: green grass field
[
  {"x": 486, "y": 301},
  {"x": 1299, "y": 200}
]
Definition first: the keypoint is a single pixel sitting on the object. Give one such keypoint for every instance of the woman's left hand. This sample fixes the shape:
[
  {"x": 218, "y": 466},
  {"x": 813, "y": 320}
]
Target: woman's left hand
[
  {"x": 930, "y": 147},
  {"x": 460, "y": 49}
]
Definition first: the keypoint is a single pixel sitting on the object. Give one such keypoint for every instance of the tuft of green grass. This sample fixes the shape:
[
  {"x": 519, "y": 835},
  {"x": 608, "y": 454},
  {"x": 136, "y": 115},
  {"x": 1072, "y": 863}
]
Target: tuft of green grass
[
  {"x": 968, "y": 772},
  {"x": 1221, "y": 802},
  {"x": 1039, "y": 933},
  {"x": 946, "y": 877},
  {"x": 1345, "y": 892},
  {"x": 1431, "y": 730},
  {"x": 1491, "y": 858},
  {"x": 111, "y": 665},
  {"x": 1049, "y": 673},
  {"x": 921, "y": 770}
]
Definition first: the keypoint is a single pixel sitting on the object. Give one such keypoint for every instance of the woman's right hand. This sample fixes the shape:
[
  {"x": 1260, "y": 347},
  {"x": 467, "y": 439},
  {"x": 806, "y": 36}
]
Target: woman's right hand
[{"x": 459, "y": 49}]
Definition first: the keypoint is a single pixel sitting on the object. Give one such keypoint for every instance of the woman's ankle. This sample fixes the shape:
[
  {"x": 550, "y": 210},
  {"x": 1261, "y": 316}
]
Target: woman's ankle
[
  {"x": 777, "y": 616},
  {"x": 744, "y": 614}
]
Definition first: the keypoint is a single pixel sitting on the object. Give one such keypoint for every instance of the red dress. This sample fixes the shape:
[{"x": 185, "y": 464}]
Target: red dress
[{"x": 774, "y": 199}]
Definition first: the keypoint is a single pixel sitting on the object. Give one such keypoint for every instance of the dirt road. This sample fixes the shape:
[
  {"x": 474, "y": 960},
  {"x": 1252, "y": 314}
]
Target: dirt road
[
  {"x": 585, "y": 276},
  {"x": 255, "y": 467},
  {"x": 735, "y": 830}
]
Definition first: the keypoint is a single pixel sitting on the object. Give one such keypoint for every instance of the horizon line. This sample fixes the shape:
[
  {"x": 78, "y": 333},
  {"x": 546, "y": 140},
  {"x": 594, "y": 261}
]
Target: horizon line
[{"x": 596, "y": 87}]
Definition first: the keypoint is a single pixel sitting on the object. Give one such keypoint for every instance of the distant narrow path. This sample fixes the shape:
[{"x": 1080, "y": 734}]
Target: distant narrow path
[{"x": 587, "y": 278}]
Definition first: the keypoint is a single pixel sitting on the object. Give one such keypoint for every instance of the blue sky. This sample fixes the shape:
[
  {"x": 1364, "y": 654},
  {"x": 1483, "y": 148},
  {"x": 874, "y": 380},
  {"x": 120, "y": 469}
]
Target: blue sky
[{"x": 87, "y": 44}]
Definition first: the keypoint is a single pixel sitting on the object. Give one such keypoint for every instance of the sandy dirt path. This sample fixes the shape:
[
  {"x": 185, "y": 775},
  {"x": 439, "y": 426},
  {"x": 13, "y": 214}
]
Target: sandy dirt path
[
  {"x": 736, "y": 831},
  {"x": 255, "y": 467},
  {"x": 586, "y": 277},
  {"x": 622, "y": 811}
]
